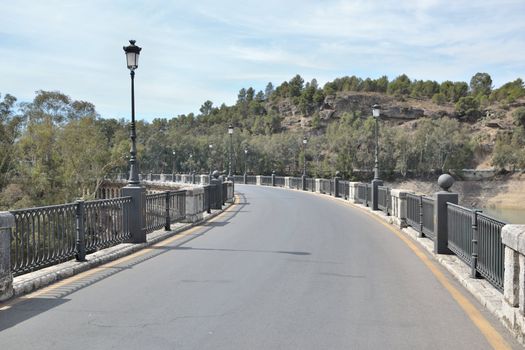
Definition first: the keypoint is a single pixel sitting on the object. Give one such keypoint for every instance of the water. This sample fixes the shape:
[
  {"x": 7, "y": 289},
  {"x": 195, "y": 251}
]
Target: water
[{"x": 511, "y": 216}]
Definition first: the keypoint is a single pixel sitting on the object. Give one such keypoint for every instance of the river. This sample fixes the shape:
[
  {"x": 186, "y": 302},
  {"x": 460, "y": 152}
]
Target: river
[{"x": 512, "y": 216}]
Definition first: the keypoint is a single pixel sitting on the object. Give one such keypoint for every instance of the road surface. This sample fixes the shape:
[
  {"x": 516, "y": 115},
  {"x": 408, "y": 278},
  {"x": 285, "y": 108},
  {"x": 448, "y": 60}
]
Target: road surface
[{"x": 282, "y": 269}]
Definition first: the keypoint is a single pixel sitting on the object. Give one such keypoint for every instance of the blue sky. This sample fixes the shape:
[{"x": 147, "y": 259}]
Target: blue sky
[{"x": 199, "y": 50}]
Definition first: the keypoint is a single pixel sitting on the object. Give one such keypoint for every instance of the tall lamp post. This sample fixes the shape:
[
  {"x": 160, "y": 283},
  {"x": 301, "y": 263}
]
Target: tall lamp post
[
  {"x": 230, "y": 132},
  {"x": 376, "y": 182},
  {"x": 132, "y": 58},
  {"x": 210, "y": 148},
  {"x": 173, "y": 161},
  {"x": 245, "y": 161},
  {"x": 134, "y": 189},
  {"x": 305, "y": 141}
]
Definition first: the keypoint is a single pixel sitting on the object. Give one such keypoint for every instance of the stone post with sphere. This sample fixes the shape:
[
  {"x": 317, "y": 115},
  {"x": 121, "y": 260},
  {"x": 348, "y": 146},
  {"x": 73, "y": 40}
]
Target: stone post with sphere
[{"x": 441, "y": 199}]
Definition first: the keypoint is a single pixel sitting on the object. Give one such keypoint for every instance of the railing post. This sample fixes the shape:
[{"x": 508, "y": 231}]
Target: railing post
[
  {"x": 137, "y": 212},
  {"x": 167, "y": 225},
  {"x": 7, "y": 224},
  {"x": 375, "y": 190},
  {"x": 245, "y": 178},
  {"x": 273, "y": 178},
  {"x": 441, "y": 199},
  {"x": 475, "y": 249},
  {"x": 336, "y": 185},
  {"x": 420, "y": 216},
  {"x": 80, "y": 231},
  {"x": 303, "y": 182}
]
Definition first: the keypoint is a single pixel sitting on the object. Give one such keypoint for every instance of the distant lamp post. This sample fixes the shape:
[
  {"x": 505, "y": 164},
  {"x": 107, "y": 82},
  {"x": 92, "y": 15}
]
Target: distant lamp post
[
  {"x": 132, "y": 58},
  {"x": 210, "y": 148},
  {"x": 305, "y": 142},
  {"x": 230, "y": 132},
  {"x": 173, "y": 162},
  {"x": 376, "y": 182},
  {"x": 191, "y": 163},
  {"x": 245, "y": 161}
]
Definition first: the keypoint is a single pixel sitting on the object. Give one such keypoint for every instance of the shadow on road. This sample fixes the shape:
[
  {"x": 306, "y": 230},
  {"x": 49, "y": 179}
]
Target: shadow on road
[
  {"x": 241, "y": 250},
  {"x": 26, "y": 309}
]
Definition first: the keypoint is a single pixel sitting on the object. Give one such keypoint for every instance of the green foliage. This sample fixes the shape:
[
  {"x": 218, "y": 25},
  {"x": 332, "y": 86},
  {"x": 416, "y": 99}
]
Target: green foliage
[
  {"x": 468, "y": 107},
  {"x": 519, "y": 116},
  {"x": 481, "y": 84},
  {"x": 400, "y": 85},
  {"x": 509, "y": 92}
]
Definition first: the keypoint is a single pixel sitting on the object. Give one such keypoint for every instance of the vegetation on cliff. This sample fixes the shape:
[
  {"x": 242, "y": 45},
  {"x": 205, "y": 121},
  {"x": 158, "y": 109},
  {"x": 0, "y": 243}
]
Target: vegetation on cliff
[{"x": 54, "y": 146}]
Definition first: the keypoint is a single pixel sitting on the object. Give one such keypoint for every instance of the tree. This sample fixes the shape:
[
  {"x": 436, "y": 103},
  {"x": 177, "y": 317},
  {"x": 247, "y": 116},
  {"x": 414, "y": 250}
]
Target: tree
[
  {"x": 268, "y": 91},
  {"x": 10, "y": 127},
  {"x": 519, "y": 116},
  {"x": 400, "y": 85},
  {"x": 481, "y": 84},
  {"x": 206, "y": 108},
  {"x": 468, "y": 107},
  {"x": 296, "y": 86}
]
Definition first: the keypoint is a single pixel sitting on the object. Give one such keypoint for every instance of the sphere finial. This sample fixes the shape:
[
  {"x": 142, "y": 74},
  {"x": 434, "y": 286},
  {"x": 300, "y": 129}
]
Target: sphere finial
[{"x": 445, "y": 181}]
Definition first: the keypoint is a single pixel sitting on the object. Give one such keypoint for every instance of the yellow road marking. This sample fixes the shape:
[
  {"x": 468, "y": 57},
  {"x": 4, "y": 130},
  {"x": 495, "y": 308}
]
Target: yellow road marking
[
  {"x": 7, "y": 305},
  {"x": 489, "y": 332}
]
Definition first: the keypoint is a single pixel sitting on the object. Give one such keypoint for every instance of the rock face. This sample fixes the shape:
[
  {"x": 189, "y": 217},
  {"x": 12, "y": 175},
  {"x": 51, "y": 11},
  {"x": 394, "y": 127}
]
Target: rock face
[{"x": 336, "y": 105}]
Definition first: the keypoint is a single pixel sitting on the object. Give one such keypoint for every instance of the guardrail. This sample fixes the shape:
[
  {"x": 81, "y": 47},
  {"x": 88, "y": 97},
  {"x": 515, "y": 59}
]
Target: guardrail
[
  {"x": 49, "y": 235},
  {"x": 266, "y": 180},
  {"x": 384, "y": 199},
  {"x": 279, "y": 181}
]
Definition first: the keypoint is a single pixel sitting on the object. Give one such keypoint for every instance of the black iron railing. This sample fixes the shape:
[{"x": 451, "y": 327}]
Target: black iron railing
[
  {"x": 460, "y": 236},
  {"x": 155, "y": 211},
  {"x": 414, "y": 203},
  {"x": 427, "y": 226},
  {"x": 49, "y": 235},
  {"x": 343, "y": 189},
  {"x": 296, "y": 183},
  {"x": 325, "y": 186},
  {"x": 361, "y": 193},
  {"x": 368, "y": 195},
  {"x": 251, "y": 179},
  {"x": 266, "y": 180},
  {"x": 279, "y": 181},
  {"x": 384, "y": 199},
  {"x": 491, "y": 256},
  {"x": 106, "y": 222},
  {"x": 177, "y": 205},
  {"x": 310, "y": 184}
]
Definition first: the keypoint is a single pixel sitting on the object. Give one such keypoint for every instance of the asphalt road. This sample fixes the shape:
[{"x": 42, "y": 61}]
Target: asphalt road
[{"x": 280, "y": 270}]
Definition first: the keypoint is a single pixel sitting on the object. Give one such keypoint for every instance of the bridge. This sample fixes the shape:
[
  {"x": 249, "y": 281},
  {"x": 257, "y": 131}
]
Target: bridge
[{"x": 286, "y": 263}]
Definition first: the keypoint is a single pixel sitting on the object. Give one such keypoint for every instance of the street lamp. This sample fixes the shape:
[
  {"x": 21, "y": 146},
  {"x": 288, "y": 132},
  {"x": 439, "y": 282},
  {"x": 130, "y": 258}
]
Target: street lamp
[
  {"x": 230, "y": 132},
  {"x": 305, "y": 141},
  {"x": 191, "y": 163},
  {"x": 173, "y": 161},
  {"x": 210, "y": 148},
  {"x": 376, "y": 182},
  {"x": 132, "y": 59},
  {"x": 376, "y": 112},
  {"x": 245, "y": 161}
]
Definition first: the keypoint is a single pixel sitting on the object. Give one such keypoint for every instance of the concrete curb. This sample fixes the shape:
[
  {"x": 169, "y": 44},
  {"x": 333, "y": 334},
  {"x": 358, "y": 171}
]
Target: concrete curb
[
  {"x": 32, "y": 281},
  {"x": 480, "y": 289}
]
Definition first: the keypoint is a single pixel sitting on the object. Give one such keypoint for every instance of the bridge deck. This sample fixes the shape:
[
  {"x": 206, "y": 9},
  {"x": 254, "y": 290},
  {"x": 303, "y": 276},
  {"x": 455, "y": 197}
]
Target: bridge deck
[{"x": 281, "y": 270}]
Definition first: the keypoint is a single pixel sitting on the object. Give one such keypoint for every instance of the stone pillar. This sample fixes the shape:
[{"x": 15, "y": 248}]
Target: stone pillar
[
  {"x": 162, "y": 177},
  {"x": 399, "y": 206},
  {"x": 352, "y": 191},
  {"x": 318, "y": 185},
  {"x": 258, "y": 180},
  {"x": 286, "y": 182},
  {"x": 245, "y": 178},
  {"x": 230, "y": 189},
  {"x": 137, "y": 212},
  {"x": 194, "y": 204},
  {"x": 441, "y": 199},
  {"x": 273, "y": 178},
  {"x": 375, "y": 189},
  {"x": 215, "y": 181},
  {"x": 7, "y": 223}
]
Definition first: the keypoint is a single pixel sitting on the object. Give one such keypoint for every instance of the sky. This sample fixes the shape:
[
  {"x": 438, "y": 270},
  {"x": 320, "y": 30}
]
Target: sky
[{"x": 193, "y": 51}]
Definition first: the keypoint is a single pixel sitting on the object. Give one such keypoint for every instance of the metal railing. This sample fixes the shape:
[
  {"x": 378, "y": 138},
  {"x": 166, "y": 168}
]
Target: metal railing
[
  {"x": 279, "y": 181},
  {"x": 384, "y": 199},
  {"x": 266, "y": 180},
  {"x": 368, "y": 194},
  {"x": 325, "y": 186},
  {"x": 106, "y": 222},
  {"x": 361, "y": 193},
  {"x": 414, "y": 203},
  {"x": 427, "y": 223},
  {"x": 155, "y": 211},
  {"x": 49, "y": 235},
  {"x": 296, "y": 183},
  {"x": 343, "y": 189},
  {"x": 177, "y": 206},
  {"x": 238, "y": 179},
  {"x": 460, "y": 236},
  {"x": 491, "y": 252},
  {"x": 251, "y": 179},
  {"x": 310, "y": 184}
]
